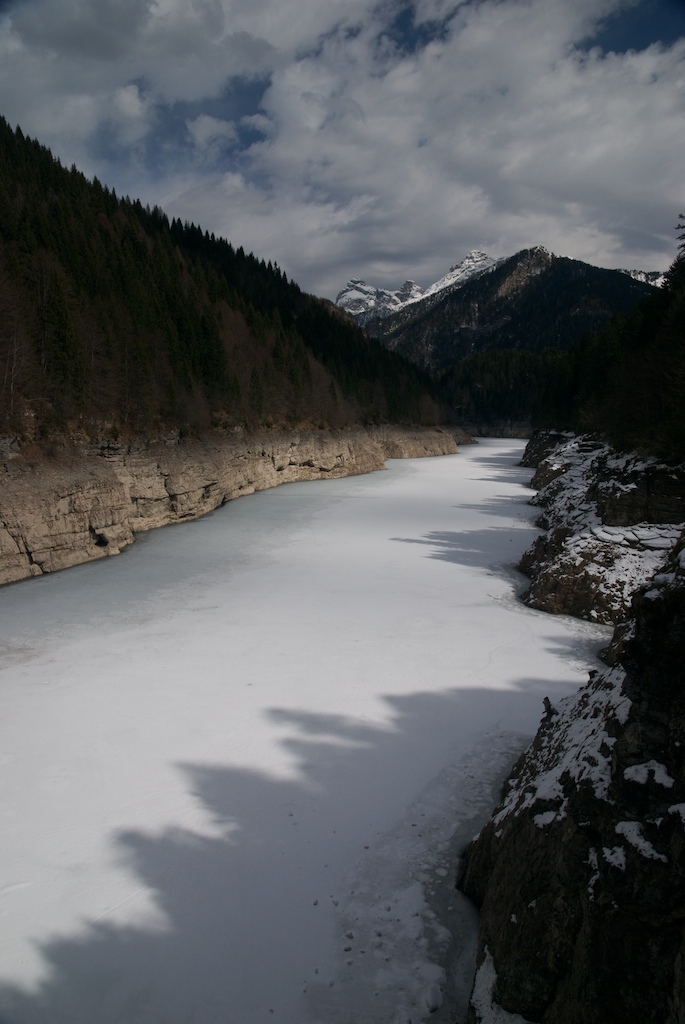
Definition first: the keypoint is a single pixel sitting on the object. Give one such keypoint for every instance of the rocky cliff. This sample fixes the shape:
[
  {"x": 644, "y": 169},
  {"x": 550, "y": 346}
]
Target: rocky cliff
[
  {"x": 609, "y": 519},
  {"x": 83, "y": 501},
  {"x": 580, "y": 874}
]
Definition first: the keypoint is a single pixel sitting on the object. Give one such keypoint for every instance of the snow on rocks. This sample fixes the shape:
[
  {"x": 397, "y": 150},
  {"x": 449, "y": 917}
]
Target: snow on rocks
[
  {"x": 632, "y": 830},
  {"x": 584, "y": 853},
  {"x": 364, "y": 301},
  {"x": 616, "y": 856},
  {"x": 610, "y": 521},
  {"x": 574, "y": 743},
  {"x": 486, "y": 1009},
  {"x": 641, "y": 773}
]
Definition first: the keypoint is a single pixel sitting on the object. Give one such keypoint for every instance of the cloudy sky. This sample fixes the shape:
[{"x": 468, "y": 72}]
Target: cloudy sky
[{"x": 375, "y": 138}]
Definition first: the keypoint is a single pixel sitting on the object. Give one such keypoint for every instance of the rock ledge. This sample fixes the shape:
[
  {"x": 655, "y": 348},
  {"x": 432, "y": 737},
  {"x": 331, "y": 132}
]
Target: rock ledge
[
  {"x": 610, "y": 520},
  {"x": 86, "y": 502}
]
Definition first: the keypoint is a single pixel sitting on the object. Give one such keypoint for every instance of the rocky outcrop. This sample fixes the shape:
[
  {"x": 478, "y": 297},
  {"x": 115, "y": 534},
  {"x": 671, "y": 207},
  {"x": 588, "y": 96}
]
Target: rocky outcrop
[
  {"x": 609, "y": 520},
  {"x": 86, "y": 501},
  {"x": 541, "y": 445},
  {"x": 580, "y": 874}
]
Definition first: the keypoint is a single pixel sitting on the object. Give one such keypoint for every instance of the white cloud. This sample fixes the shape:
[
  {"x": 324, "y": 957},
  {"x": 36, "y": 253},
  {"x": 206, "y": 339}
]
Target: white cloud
[
  {"x": 233, "y": 183},
  {"x": 206, "y": 130},
  {"x": 129, "y": 102},
  {"x": 258, "y": 123},
  {"x": 367, "y": 156}
]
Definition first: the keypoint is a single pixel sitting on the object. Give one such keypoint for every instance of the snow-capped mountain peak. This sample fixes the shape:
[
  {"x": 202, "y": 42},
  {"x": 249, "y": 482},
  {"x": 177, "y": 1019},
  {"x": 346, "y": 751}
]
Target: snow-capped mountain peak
[
  {"x": 409, "y": 291},
  {"x": 473, "y": 263},
  {"x": 365, "y": 301},
  {"x": 653, "y": 277}
]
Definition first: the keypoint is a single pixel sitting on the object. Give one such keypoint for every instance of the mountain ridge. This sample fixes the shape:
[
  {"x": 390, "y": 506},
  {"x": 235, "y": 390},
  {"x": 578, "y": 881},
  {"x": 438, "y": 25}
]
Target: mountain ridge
[
  {"x": 366, "y": 302},
  {"x": 530, "y": 301}
]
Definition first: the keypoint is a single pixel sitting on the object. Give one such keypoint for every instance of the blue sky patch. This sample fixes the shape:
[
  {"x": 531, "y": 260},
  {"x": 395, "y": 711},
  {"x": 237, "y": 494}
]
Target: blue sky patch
[
  {"x": 169, "y": 144},
  {"x": 636, "y": 28},
  {"x": 410, "y": 37}
]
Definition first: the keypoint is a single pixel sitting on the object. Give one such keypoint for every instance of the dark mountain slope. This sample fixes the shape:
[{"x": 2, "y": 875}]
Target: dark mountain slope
[
  {"x": 531, "y": 301},
  {"x": 506, "y": 390},
  {"x": 626, "y": 381},
  {"x": 629, "y": 380},
  {"x": 114, "y": 318}
]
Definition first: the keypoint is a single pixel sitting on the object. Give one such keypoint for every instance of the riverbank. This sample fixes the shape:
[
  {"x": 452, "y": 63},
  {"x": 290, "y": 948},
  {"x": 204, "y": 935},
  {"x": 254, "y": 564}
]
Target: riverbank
[
  {"x": 69, "y": 503},
  {"x": 578, "y": 874},
  {"x": 256, "y": 734}
]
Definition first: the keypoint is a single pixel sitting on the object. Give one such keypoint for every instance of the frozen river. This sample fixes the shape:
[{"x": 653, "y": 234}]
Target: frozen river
[{"x": 235, "y": 761}]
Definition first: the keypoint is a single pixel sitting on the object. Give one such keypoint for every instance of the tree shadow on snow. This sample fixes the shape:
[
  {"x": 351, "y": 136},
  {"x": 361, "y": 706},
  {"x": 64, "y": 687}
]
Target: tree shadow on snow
[
  {"x": 234, "y": 901},
  {"x": 504, "y": 507},
  {"x": 502, "y": 465},
  {"x": 474, "y": 548}
]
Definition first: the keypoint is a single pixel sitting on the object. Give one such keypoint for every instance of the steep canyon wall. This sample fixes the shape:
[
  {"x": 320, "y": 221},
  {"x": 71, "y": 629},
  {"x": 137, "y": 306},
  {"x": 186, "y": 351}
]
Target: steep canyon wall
[{"x": 82, "y": 501}]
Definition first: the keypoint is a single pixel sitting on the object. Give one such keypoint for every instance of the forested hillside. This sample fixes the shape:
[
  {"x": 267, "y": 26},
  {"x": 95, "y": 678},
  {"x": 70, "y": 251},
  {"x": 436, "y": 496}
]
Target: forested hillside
[
  {"x": 626, "y": 381},
  {"x": 511, "y": 345},
  {"x": 114, "y": 318},
  {"x": 510, "y": 386},
  {"x": 528, "y": 302}
]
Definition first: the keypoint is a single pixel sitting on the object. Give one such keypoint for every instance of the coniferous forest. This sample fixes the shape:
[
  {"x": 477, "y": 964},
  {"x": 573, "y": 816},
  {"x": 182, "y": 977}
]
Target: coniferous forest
[
  {"x": 114, "y": 318},
  {"x": 626, "y": 381}
]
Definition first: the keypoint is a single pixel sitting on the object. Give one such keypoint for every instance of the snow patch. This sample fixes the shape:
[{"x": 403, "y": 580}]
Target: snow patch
[
  {"x": 616, "y": 856},
  {"x": 632, "y": 831},
  {"x": 483, "y": 1001},
  {"x": 654, "y": 277},
  {"x": 641, "y": 773},
  {"x": 546, "y": 818}
]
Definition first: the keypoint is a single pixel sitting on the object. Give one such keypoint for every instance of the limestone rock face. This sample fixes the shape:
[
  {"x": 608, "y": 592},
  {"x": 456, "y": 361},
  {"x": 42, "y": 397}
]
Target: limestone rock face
[
  {"x": 580, "y": 874},
  {"x": 610, "y": 519},
  {"x": 88, "y": 502}
]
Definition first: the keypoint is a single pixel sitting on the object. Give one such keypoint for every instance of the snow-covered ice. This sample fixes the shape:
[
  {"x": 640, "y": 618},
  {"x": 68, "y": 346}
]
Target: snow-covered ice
[{"x": 237, "y": 761}]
